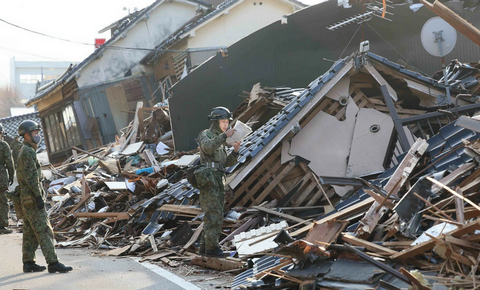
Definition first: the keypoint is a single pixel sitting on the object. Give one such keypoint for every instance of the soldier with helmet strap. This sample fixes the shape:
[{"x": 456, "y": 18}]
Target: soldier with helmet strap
[
  {"x": 211, "y": 177},
  {"x": 36, "y": 228},
  {"x": 6, "y": 179}
]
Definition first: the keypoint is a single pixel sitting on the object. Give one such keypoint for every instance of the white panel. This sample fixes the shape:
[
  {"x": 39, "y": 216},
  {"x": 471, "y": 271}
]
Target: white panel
[
  {"x": 325, "y": 141},
  {"x": 369, "y": 148}
]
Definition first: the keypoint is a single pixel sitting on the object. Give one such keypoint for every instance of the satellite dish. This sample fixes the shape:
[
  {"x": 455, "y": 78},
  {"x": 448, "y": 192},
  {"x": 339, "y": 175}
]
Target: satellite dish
[{"x": 438, "y": 37}]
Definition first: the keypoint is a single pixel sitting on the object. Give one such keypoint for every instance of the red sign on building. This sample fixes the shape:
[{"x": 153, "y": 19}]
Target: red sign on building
[{"x": 99, "y": 42}]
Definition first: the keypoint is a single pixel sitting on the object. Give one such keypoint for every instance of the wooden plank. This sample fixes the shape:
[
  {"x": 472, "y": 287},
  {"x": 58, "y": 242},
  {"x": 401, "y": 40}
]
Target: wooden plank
[
  {"x": 254, "y": 176},
  {"x": 77, "y": 206},
  {"x": 274, "y": 183},
  {"x": 413, "y": 280},
  {"x": 460, "y": 207},
  {"x": 454, "y": 193},
  {"x": 217, "y": 264},
  {"x": 280, "y": 214},
  {"x": 368, "y": 245},
  {"x": 462, "y": 243},
  {"x": 261, "y": 182},
  {"x": 453, "y": 176},
  {"x": 429, "y": 245},
  {"x": 394, "y": 184},
  {"x": 342, "y": 215},
  {"x": 326, "y": 232},
  {"x": 186, "y": 209},
  {"x": 193, "y": 239},
  {"x": 114, "y": 215},
  {"x": 135, "y": 124},
  {"x": 298, "y": 201}
]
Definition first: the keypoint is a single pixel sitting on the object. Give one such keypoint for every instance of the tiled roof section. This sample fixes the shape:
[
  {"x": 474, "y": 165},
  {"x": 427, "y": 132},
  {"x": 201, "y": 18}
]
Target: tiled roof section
[
  {"x": 99, "y": 51},
  {"x": 260, "y": 138},
  {"x": 10, "y": 124},
  {"x": 401, "y": 69}
]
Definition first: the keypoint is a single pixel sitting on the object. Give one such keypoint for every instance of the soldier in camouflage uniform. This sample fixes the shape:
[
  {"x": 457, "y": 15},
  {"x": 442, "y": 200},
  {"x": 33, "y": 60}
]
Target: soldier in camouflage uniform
[
  {"x": 36, "y": 228},
  {"x": 5, "y": 180},
  {"x": 211, "y": 177},
  {"x": 16, "y": 145}
]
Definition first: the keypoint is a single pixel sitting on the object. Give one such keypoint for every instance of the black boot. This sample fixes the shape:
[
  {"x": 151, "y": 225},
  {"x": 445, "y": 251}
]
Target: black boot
[
  {"x": 58, "y": 267},
  {"x": 216, "y": 253},
  {"x": 32, "y": 267}
]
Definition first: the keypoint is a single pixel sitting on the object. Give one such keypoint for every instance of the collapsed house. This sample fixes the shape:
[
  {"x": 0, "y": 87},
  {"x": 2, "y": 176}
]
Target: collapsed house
[{"x": 338, "y": 163}]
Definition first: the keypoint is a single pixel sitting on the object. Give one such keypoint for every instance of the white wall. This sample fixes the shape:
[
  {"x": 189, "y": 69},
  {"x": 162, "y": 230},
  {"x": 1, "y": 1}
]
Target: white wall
[
  {"x": 163, "y": 21},
  {"x": 244, "y": 19}
]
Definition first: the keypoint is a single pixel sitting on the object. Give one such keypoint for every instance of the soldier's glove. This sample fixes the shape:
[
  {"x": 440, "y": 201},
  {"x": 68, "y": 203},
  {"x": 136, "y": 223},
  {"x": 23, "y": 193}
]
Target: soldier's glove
[
  {"x": 10, "y": 181},
  {"x": 40, "y": 202}
]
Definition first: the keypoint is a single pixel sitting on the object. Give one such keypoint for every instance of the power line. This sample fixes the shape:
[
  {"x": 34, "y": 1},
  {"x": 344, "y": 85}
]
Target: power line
[
  {"x": 106, "y": 46},
  {"x": 43, "y": 34}
]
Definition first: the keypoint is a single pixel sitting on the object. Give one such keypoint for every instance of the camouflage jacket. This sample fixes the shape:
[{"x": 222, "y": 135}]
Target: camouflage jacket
[
  {"x": 212, "y": 148},
  {"x": 29, "y": 171},
  {"x": 6, "y": 164},
  {"x": 16, "y": 146}
]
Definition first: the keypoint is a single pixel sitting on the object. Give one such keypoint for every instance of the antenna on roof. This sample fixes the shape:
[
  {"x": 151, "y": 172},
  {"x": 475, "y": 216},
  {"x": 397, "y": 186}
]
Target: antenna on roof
[
  {"x": 375, "y": 8},
  {"x": 438, "y": 39}
]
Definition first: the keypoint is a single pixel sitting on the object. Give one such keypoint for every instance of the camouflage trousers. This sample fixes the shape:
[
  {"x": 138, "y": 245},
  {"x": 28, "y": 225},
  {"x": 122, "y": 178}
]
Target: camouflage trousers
[
  {"x": 4, "y": 208},
  {"x": 212, "y": 200},
  {"x": 36, "y": 231}
]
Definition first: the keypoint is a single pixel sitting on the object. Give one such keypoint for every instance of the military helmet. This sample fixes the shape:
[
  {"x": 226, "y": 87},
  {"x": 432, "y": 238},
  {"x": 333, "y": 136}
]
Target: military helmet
[
  {"x": 1, "y": 128},
  {"x": 28, "y": 126},
  {"x": 220, "y": 113}
]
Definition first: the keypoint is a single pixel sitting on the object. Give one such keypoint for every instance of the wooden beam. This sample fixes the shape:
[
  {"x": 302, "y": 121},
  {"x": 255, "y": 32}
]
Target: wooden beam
[
  {"x": 454, "y": 193},
  {"x": 280, "y": 214},
  {"x": 342, "y": 215},
  {"x": 460, "y": 24},
  {"x": 274, "y": 183},
  {"x": 135, "y": 124},
  {"x": 368, "y": 245},
  {"x": 187, "y": 209},
  {"x": 114, "y": 215}
]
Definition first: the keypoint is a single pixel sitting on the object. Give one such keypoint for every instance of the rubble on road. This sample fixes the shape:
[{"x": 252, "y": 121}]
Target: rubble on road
[{"x": 388, "y": 201}]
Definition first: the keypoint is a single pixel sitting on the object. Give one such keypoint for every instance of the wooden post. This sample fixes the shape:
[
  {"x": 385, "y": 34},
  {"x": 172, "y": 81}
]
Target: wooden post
[
  {"x": 135, "y": 123},
  {"x": 459, "y": 207}
]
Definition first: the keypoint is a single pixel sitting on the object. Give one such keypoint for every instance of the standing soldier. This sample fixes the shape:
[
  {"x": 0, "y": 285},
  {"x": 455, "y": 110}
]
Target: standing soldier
[
  {"x": 16, "y": 145},
  {"x": 5, "y": 180},
  {"x": 211, "y": 177},
  {"x": 36, "y": 228}
]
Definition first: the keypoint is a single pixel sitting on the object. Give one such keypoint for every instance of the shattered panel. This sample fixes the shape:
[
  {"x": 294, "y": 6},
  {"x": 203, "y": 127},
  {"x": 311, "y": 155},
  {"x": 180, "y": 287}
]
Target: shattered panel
[
  {"x": 326, "y": 142},
  {"x": 371, "y": 138}
]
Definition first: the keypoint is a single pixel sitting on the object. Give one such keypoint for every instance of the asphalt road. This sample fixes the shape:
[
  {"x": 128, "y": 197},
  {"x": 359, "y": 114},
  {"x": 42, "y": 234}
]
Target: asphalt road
[{"x": 89, "y": 271}]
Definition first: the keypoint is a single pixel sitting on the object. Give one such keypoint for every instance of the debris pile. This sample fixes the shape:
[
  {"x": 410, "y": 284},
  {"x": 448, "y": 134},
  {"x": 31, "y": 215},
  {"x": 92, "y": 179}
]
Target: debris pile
[{"x": 388, "y": 200}]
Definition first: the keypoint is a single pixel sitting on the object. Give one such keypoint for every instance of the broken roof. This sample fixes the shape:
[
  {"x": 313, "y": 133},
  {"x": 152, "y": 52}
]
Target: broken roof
[
  {"x": 98, "y": 52},
  {"x": 263, "y": 140}
]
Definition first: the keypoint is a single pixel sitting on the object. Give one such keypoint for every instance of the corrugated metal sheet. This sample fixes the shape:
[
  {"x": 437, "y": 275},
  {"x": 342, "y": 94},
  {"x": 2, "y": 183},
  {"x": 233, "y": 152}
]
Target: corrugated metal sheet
[{"x": 293, "y": 54}]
